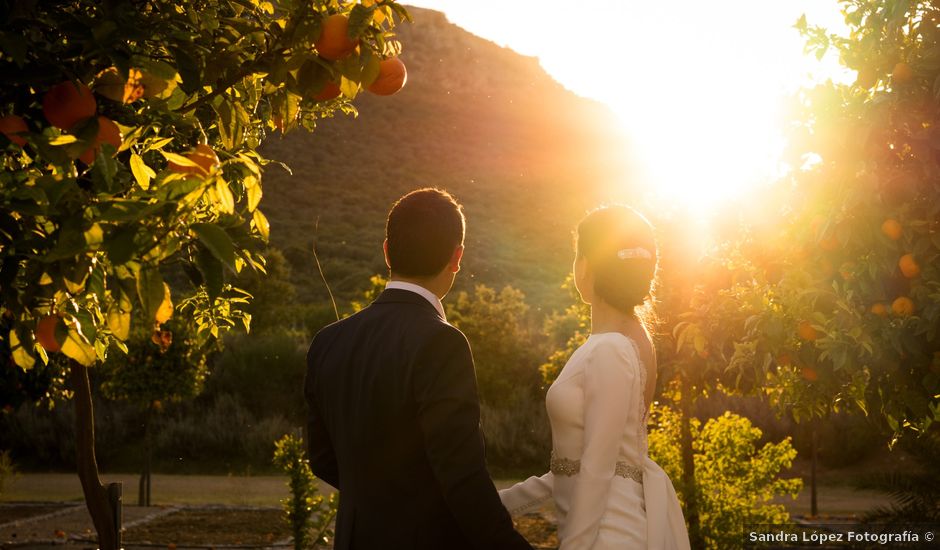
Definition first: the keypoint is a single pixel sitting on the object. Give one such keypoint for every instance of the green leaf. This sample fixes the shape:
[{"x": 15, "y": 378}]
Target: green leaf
[
  {"x": 212, "y": 272},
  {"x": 359, "y": 19},
  {"x": 371, "y": 65},
  {"x": 64, "y": 139},
  {"x": 253, "y": 192},
  {"x": 121, "y": 246},
  {"x": 21, "y": 356},
  {"x": 178, "y": 159},
  {"x": 224, "y": 195},
  {"x": 228, "y": 124},
  {"x": 77, "y": 348},
  {"x": 150, "y": 290},
  {"x": 217, "y": 241},
  {"x": 94, "y": 236},
  {"x": 142, "y": 173},
  {"x": 119, "y": 322},
  {"x": 159, "y": 144},
  {"x": 349, "y": 88}
]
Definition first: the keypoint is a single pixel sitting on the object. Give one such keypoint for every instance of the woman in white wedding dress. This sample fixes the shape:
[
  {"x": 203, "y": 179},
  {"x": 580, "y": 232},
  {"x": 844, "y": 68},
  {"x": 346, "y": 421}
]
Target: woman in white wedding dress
[{"x": 608, "y": 493}]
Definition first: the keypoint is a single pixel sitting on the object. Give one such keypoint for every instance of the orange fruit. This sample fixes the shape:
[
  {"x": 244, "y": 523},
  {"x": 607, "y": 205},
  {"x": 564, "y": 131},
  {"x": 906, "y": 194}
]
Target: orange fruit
[
  {"x": 807, "y": 331},
  {"x": 204, "y": 157},
  {"x": 903, "y": 306},
  {"x": 45, "y": 333},
  {"x": 829, "y": 243},
  {"x": 879, "y": 309},
  {"x": 11, "y": 126},
  {"x": 334, "y": 41},
  {"x": 909, "y": 267},
  {"x": 847, "y": 271},
  {"x": 329, "y": 91},
  {"x": 892, "y": 228},
  {"x": 392, "y": 77},
  {"x": 108, "y": 132},
  {"x": 902, "y": 73},
  {"x": 809, "y": 374},
  {"x": 162, "y": 338},
  {"x": 866, "y": 78},
  {"x": 68, "y": 103},
  {"x": 784, "y": 359}
]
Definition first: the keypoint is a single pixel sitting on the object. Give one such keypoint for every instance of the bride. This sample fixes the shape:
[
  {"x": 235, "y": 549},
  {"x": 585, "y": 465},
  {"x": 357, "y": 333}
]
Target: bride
[{"x": 608, "y": 493}]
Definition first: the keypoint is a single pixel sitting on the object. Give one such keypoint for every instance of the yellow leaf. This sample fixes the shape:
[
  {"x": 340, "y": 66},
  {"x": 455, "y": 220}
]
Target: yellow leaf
[
  {"x": 76, "y": 287},
  {"x": 75, "y": 347},
  {"x": 45, "y": 279},
  {"x": 94, "y": 236},
  {"x": 142, "y": 173},
  {"x": 119, "y": 322},
  {"x": 225, "y": 197},
  {"x": 261, "y": 224},
  {"x": 165, "y": 311},
  {"x": 21, "y": 355}
]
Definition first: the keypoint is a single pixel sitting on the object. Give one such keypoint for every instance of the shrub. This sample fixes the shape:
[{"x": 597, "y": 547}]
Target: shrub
[
  {"x": 222, "y": 433},
  {"x": 518, "y": 438},
  {"x": 306, "y": 510},
  {"x": 734, "y": 480},
  {"x": 264, "y": 372}
]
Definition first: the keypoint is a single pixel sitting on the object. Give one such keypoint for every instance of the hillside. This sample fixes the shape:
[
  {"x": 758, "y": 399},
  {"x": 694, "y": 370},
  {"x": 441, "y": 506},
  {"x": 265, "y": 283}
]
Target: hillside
[{"x": 525, "y": 156}]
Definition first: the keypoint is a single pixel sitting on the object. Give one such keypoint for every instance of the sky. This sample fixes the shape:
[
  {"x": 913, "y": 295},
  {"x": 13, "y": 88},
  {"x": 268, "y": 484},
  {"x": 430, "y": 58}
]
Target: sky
[{"x": 697, "y": 85}]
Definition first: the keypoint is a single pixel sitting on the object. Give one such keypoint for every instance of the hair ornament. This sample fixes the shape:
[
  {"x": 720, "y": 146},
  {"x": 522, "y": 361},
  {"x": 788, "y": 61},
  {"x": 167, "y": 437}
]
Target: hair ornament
[{"x": 638, "y": 252}]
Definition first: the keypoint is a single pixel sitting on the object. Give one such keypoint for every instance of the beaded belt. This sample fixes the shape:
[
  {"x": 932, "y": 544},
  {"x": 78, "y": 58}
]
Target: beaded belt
[{"x": 568, "y": 467}]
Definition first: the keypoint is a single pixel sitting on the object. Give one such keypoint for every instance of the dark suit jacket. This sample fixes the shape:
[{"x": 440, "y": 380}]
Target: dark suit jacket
[{"x": 394, "y": 424}]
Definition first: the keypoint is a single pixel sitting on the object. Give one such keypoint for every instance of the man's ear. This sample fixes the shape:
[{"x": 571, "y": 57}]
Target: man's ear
[
  {"x": 385, "y": 252},
  {"x": 454, "y": 264}
]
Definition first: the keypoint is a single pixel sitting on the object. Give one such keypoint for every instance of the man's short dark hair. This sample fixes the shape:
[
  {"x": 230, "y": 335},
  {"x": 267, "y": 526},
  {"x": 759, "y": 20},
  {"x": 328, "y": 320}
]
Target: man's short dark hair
[{"x": 423, "y": 229}]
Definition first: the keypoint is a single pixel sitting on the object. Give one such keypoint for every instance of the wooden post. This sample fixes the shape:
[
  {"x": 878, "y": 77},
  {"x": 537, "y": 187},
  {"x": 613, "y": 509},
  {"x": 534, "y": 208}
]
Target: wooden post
[{"x": 115, "y": 494}]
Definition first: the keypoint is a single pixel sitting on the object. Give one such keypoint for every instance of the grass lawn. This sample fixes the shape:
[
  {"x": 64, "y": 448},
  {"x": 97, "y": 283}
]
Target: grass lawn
[
  {"x": 269, "y": 490},
  {"x": 165, "y": 489}
]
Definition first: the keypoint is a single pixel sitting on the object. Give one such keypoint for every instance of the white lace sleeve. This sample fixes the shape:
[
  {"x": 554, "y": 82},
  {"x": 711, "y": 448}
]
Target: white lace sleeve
[
  {"x": 610, "y": 379},
  {"x": 527, "y": 495}
]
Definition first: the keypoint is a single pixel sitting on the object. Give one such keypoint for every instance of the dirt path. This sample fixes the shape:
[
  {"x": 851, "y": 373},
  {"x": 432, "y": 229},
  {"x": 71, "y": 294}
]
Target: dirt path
[{"x": 236, "y": 511}]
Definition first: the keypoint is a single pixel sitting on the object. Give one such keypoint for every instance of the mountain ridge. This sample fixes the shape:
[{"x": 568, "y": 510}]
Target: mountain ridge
[{"x": 525, "y": 156}]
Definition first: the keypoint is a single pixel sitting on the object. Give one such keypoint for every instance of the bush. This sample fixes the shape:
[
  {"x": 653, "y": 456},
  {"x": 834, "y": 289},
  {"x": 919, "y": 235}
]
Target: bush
[
  {"x": 518, "y": 437},
  {"x": 734, "y": 480},
  {"x": 223, "y": 433},
  {"x": 264, "y": 372},
  {"x": 39, "y": 436},
  {"x": 506, "y": 348}
]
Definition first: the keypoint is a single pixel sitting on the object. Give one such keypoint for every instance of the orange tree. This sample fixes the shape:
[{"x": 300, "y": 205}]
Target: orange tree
[
  {"x": 833, "y": 301},
  {"x": 129, "y": 158}
]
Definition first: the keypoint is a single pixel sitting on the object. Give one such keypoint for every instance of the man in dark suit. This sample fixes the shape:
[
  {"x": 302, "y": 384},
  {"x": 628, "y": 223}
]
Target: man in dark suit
[{"x": 394, "y": 420}]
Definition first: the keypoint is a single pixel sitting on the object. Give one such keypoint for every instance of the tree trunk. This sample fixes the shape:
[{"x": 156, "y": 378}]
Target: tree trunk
[
  {"x": 96, "y": 495},
  {"x": 143, "y": 492},
  {"x": 688, "y": 468}
]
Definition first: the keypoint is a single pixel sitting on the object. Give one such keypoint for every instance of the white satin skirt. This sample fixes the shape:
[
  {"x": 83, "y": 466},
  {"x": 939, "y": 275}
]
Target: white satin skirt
[{"x": 636, "y": 516}]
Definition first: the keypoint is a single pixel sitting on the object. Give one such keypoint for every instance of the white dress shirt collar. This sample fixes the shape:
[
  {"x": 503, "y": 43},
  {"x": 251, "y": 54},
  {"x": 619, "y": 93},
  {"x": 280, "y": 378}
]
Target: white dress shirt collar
[{"x": 418, "y": 289}]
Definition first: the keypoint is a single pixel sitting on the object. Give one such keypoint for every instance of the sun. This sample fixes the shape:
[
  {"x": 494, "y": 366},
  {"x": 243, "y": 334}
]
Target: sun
[
  {"x": 697, "y": 156},
  {"x": 705, "y": 111}
]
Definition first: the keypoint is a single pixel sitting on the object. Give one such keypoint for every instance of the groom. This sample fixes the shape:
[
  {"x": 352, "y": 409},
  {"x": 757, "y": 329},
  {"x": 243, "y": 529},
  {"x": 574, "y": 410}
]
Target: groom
[{"x": 394, "y": 421}]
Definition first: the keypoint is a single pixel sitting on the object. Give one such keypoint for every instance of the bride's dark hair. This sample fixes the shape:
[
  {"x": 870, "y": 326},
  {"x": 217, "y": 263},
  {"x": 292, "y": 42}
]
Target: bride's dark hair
[{"x": 620, "y": 246}]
